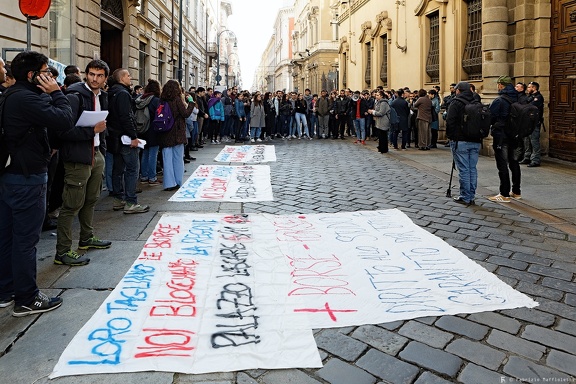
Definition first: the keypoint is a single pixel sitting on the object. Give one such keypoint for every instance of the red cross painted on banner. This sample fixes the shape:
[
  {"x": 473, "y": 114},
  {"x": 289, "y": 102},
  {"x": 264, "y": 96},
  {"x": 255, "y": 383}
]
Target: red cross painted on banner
[{"x": 326, "y": 309}]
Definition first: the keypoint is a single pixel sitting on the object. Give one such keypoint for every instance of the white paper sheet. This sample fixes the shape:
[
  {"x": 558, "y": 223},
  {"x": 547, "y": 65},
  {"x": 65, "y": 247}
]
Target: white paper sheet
[
  {"x": 126, "y": 140},
  {"x": 91, "y": 118}
]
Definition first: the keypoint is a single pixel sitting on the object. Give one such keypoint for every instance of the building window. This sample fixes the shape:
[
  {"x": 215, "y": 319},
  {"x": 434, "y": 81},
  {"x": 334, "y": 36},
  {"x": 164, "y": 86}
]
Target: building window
[
  {"x": 368, "y": 71},
  {"x": 472, "y": 57},
  {"x": 161, "y": 67},
  {"x": 60, "y": 23},
  {"x": 384, "y": 66},
  {"x": 142, "y": 63},
  {"x": 433, "y": 60}
]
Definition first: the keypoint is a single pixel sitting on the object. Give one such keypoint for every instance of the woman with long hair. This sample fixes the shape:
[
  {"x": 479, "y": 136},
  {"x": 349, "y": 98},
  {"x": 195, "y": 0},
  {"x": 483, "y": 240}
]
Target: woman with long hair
[
  {"x": 257, "y": 118},
  {"x": 300, "y": 110},
  {"x": 174, "y": 140}
]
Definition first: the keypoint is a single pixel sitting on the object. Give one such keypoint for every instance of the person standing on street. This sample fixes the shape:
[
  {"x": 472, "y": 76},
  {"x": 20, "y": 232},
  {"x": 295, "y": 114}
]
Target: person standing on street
[
  {"x": 26, "y": 117},
  {"x": 504, "y": 143},
  {"x": 121, "y": 122},
  {"x": 532, "y": 142},
  {"x": 81, "y": 151},
  {"x": 465, "y": 150},
  {"x": 323, "y": 107},
  {"x": 381, "y": 114}
]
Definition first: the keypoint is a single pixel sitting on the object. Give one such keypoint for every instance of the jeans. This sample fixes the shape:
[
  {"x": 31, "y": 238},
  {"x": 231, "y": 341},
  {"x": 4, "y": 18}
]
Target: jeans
[
  {"x": 313, "y": 124},
  {"x": 301, "y": 118},
  {"x": 504, "y": 155},
  {"x": 532, "y": 145},
  {"x": 148, "y": 163},
  {"x": 125, "y": 174},
  {"x": 255, "y": 132},
  {"x": 82, "y": 187},
  {"x": 173, "y": 166},
  {"x": 226, "y": 129},
  {"x": 360, "y": 126},
  {"x": 22, "y": 211},
  {"x": 465, "y": 156}
]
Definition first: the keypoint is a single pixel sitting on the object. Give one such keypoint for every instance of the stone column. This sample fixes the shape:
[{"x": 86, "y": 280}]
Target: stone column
[
  {"x": 495, "y": 43},
  {"x": 495, "y": 53}
]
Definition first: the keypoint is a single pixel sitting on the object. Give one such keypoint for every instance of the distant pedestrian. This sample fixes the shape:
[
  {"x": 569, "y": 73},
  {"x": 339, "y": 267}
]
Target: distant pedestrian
[
  {"x": 423, "y": 109},
  {"x": 532, "y": 142}
]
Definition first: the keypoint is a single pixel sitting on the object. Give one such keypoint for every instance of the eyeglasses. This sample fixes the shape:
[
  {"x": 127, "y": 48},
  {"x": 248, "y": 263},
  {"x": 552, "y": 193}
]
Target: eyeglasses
[{"x": 46, "y": 72}]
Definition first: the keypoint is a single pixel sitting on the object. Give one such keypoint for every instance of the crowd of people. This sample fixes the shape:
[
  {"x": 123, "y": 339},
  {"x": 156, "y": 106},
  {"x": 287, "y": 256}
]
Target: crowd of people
[{"x": 58, "y": 164}]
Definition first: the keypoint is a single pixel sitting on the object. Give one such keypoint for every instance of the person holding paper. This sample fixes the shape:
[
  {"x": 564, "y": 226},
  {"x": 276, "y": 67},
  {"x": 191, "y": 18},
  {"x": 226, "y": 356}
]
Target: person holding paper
[
  {"x": 82, "y": 149},
  {"x": 126, "y": 167}
]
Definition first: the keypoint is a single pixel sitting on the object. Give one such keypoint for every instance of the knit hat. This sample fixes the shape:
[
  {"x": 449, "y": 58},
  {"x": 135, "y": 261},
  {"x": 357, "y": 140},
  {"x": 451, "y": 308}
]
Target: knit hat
[
  {"x": 504, "y": 80},
  {"x": 463, "y": 86}
]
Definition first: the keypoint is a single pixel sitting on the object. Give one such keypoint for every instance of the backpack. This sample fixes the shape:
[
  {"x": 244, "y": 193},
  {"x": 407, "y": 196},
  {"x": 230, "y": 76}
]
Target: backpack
[
  {"x": 163, "y": 119},
  {"x": 522, "y": 118},
  {"x": 476, "y": 120},
  {"x": 142, "y": 114},
  {"x": 393, "y": 116}
]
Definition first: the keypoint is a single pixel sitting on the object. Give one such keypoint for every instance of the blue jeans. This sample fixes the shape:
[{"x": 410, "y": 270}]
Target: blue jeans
[
  {"x": 255, "y": 132},
  {"x": 465, "y": 156},
  {"x": 360, "y": 126},
  {"x": 125, "y": 174},
  {"x": 301, "y": 118},
  {"x": 22, "y": 209},
  {"x": 148, "y": 163},
  {"x": 173, "y": 158},
  {"x": 313, "y": 124}
]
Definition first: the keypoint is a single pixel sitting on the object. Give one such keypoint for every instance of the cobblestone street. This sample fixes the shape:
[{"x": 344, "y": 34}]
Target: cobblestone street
[{"x": 323, "y": 176}]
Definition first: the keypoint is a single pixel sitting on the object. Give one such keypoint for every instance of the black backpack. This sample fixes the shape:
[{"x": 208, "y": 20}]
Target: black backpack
[
  {"x": 522, "y": 118},
  {"x": 475, "y": 120}
]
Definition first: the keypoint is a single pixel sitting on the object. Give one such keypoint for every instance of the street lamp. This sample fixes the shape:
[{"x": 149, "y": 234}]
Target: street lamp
[{"x": 218, "y": 77}]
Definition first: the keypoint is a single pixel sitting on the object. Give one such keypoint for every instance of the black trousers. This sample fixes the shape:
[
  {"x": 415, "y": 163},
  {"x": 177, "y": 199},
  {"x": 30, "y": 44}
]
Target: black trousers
[
  {"x": 506, "y": 159},
  {"x": 382, "y": 140}
]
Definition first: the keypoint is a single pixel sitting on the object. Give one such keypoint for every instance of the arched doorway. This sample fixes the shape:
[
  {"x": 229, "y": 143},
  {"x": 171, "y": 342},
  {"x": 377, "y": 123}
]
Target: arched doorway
[{"x": 111, "y": 26}]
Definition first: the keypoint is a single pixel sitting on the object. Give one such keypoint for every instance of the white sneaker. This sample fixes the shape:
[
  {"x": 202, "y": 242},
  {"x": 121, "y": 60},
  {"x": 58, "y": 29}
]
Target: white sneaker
[
  {"x": 259, "y": 140},
  {"x": 253, "y": 141},
  {"x": 499, "y": 199}
]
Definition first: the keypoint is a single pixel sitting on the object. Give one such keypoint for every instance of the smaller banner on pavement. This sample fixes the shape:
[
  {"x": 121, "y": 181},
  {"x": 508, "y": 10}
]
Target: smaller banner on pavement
[
  {"x": 248, "y": 154},
  {"x": 227, "y": 183}
]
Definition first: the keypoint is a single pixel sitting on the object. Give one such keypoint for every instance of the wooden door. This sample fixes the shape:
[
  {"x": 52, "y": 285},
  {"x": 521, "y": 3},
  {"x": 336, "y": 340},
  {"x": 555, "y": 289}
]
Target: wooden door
[{"x": 562, "y": 126}]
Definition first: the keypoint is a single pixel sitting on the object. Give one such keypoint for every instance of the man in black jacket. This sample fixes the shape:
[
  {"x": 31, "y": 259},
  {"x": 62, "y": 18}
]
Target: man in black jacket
[
  {"x": 82, "y": 152},
  {"x": 464, "y": 149},
  {"x": 532, "y": 142},
  {"x": 121, "y": 122},
  {"x": 27, "y": 115},
  {"x": 342, "y": 111}
]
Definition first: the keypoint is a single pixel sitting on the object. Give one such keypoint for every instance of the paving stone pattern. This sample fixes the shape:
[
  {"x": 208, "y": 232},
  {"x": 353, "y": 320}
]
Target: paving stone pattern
[{"x": 531, "y": 345}]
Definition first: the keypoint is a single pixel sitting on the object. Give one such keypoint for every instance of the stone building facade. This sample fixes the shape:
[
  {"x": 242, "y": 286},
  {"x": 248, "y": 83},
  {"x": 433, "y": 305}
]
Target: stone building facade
[
  {"x": 141, "y": 35},
  {"x": 426, "y": 43}
]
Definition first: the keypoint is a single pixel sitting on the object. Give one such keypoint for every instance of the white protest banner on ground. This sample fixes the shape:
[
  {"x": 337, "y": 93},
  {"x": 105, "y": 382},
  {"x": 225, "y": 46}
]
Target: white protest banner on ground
[
  {"x": 217, "y": 292},
  {"x": 246, "y": 154},
  {"x": 372, "y": 267},
  {"x": 227, "y": 183},
  {"x": 197, "y": 299}
]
